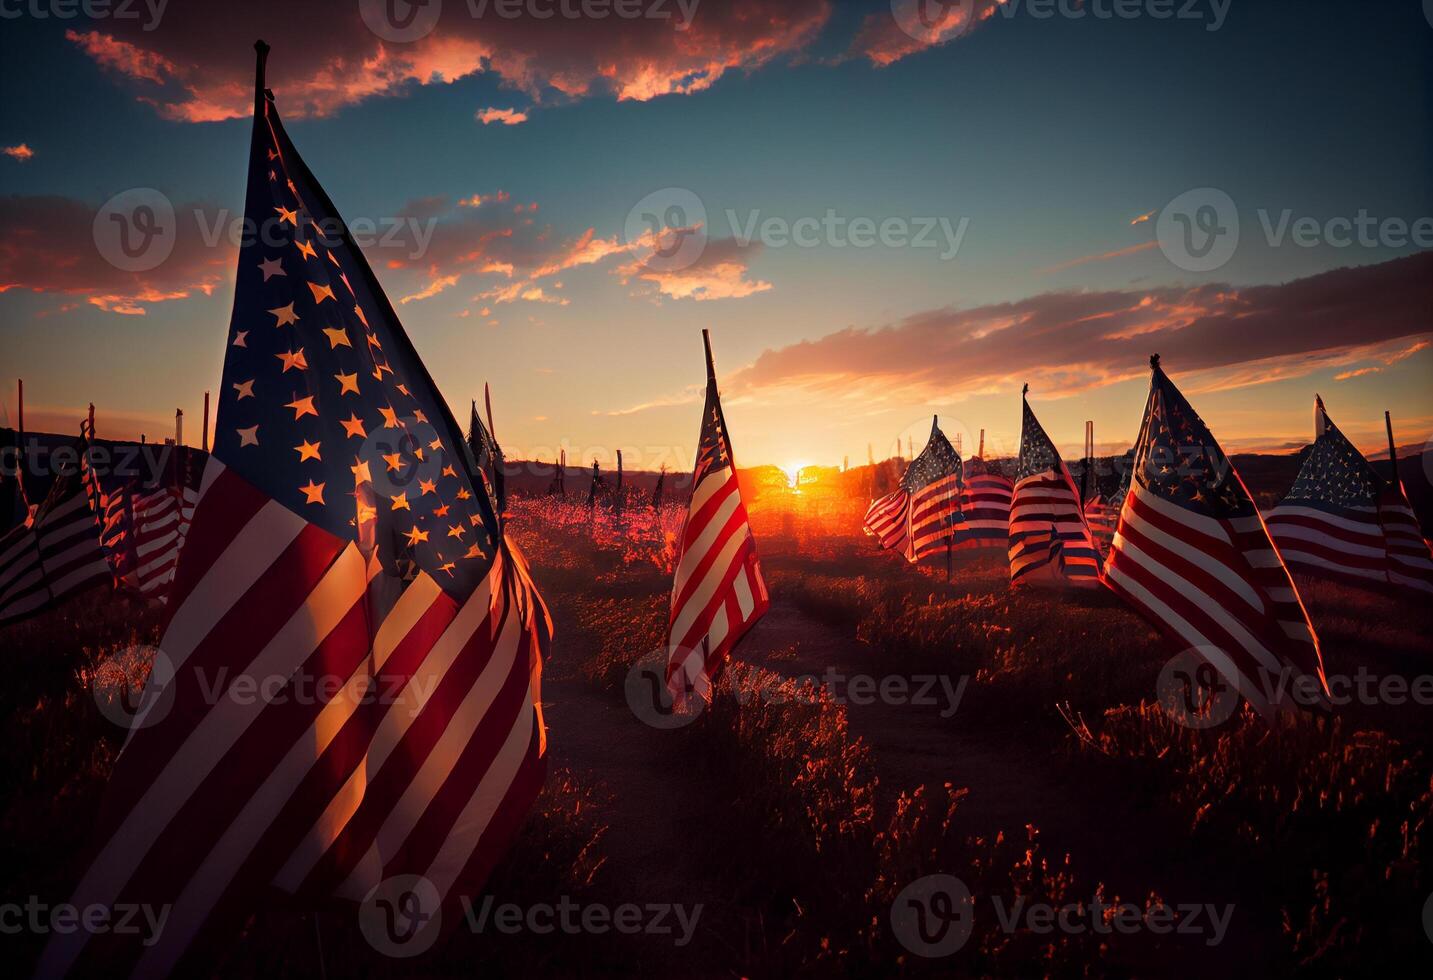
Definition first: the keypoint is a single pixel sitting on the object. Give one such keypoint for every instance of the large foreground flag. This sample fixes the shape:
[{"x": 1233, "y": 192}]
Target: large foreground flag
[
  {"x": 1342, "y": 520},
  {"x": 920, "y": 517},
  {"x": 339, "y": 541},
  {"x": 1192, "y": 554},
  {"x": 1050, "y": 542},
  {"x": 718, "y": 592},
  {"x": 146, "y": 523},
  {"x": 57, "y": 554}
]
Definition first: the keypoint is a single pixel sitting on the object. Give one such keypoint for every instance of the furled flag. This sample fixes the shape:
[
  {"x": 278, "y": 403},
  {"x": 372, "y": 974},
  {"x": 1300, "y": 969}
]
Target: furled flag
[
  {"x": 1341, "y": 519},
  {"x": 489, "y": 458},
  {"x": 1192, "y": 554},
  {"x": 718, "y": 592},
  {"x": 56, "y": 554},
  {"x": 984, "y": 508},
  {"x": 920, "y": 517},
  {"x": 1103, "y": 513},
  {"x": 1050, "y": 542},
  {"x": 146, "y": 523},
  {"x": 346, "y": 695}
]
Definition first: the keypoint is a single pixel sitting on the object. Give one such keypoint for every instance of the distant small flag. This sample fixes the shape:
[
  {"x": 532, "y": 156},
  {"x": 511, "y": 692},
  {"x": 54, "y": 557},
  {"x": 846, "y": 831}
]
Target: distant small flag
[
  {"x": 718, "y": 592},
  {"x": 57, "y": 554},
  {"x": 1103, "y": 514},
  {"x": 1193, "y": 556},
  {"x": 145, "y": 524},
  {"x": 984, "y": 508},
  {"x": 1050, "y": 542},
  {"x": 1342, "y": 520},
  {"x": 920, "y": 517}
]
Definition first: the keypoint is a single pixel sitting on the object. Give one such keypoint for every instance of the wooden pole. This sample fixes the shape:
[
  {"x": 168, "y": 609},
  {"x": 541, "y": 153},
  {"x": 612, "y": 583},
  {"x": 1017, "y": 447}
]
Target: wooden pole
[
  {"x": 179, "y": 426},
  {"x": 981, "y": 453},
  {"x": 21, "y": 421},
  {"x": 204, "y": 433}
]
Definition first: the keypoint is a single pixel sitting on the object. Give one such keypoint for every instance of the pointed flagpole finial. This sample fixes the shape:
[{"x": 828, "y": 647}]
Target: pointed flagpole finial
[
  {"x": 1154, "y": 360},
  {"x": 934, "y": 422},
  {"x": 707, "y": 344},
  {"x": 261, "y": 50},
  {"x": 1025, "y": 390}
]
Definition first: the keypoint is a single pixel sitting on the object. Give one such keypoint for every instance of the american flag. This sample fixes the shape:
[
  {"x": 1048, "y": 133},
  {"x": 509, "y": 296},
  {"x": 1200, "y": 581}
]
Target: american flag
[
  {"x": 718, "y": 592},
  {"x": 918, "y": 520},
  {"x": 1050, "y": 542},
  {"x": 339, "y": 542},
  {"x": 1193, "y": 556},
  {"x": 488, "y": 456},
  {"x": 56, "y": 552},
  {"x": 1102, "y": 514},
  {"x": 1341, "y": 519},
  {"x": 145, "y": 525},
  {"x": 984, "y": 507}
]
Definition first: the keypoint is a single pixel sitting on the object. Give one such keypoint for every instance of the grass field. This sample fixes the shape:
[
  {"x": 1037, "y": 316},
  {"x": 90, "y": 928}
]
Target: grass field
[{"x": 795, "y": 810}]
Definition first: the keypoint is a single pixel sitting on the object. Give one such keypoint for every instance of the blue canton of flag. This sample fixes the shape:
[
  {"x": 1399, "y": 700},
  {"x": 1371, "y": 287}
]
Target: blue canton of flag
[{"x": 325, "y": 405}]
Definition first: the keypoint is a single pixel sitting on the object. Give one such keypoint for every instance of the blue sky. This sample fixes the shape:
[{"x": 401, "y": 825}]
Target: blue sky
[{"x": 1047, "y": 137}]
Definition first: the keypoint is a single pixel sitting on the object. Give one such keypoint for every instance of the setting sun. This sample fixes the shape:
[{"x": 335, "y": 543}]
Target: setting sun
[{"x": 793, "y": 473}]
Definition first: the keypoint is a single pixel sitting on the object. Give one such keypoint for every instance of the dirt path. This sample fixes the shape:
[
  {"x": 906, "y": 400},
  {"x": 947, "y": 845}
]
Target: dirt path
[
  {"x": 1016, "y": 775},
  {"x": 652, "y": 807}
]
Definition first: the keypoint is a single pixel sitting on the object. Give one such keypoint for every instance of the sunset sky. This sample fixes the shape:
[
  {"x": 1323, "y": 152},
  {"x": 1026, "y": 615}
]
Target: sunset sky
[{"x": 511, "y": 154}]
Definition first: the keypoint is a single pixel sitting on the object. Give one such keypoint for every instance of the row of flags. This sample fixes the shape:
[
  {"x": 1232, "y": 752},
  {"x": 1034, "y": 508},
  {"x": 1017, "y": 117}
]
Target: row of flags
[
  {"x": 346, "y": 528},
  {"x": 1182, "y": 541}
]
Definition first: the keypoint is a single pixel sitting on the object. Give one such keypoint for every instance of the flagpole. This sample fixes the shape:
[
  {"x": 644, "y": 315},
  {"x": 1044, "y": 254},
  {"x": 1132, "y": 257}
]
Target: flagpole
[
  {"x": 179, "y": 427},
  {"x": 1392, "y": 451},
  {"x": 204, "y": 434},
  {"x": 21, "y": 408}
]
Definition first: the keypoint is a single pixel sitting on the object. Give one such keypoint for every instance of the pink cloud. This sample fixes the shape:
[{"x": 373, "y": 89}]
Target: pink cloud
[
  {"x": 912, "y": 26},
  {"x": 508, "y": 117},
  {"x": 1068, "y": 342},
  {"x": 719, "y": 273},
  {"x": 49, "y": 247},
  {"x": 324, "y": 58}
]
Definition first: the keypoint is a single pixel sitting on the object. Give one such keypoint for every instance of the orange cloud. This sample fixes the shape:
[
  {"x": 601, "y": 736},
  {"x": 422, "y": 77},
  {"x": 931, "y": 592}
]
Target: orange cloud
[
  {"x": 326, "y": 58},
  {"x": 20, "y": 151},
  {"x": 508, "y": 117},
  {"x": 911, "y": 26},
  {"x": 1118, "y": 253}
]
